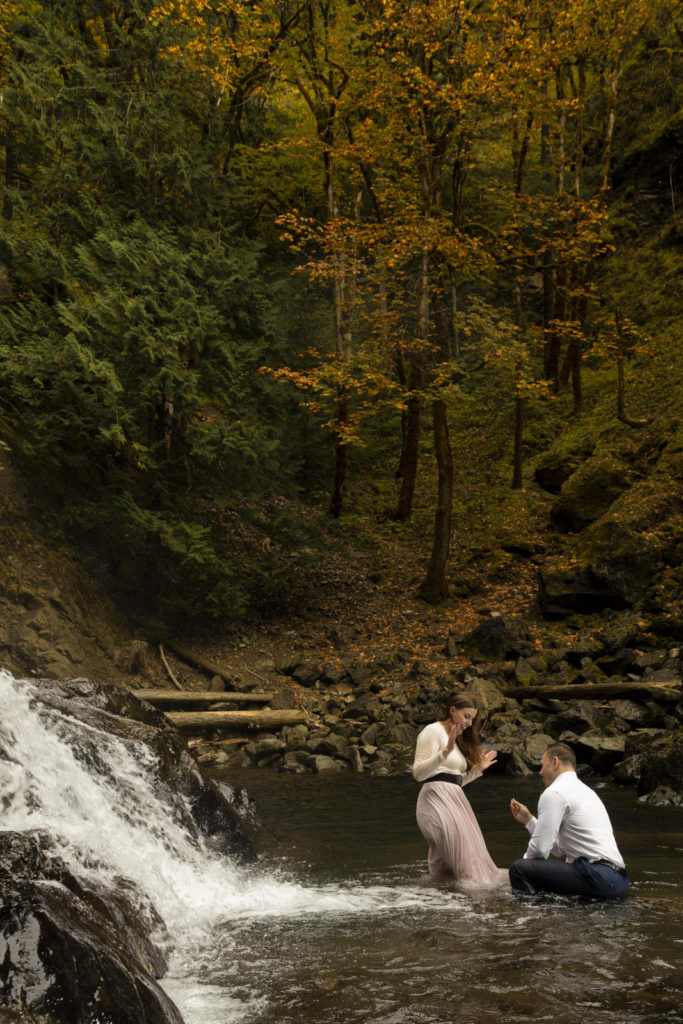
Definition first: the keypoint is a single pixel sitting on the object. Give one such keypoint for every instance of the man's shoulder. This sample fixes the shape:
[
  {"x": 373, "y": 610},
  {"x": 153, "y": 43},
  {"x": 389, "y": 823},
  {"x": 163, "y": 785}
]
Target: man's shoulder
[{"x": 559, "y": 789}]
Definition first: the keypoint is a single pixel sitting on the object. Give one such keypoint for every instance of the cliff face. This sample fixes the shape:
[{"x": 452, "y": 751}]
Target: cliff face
[{"x": 54, "y": 620}]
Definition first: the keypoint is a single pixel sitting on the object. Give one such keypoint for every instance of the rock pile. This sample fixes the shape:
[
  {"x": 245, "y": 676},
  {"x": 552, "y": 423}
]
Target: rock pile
[{"x": 366, "y": 716}]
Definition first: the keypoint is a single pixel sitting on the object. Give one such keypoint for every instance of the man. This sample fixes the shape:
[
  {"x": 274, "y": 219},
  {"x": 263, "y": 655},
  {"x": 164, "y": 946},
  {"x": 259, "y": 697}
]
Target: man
[{"x": 572, "y": 822}]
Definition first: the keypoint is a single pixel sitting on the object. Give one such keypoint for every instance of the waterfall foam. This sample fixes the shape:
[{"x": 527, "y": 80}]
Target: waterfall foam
[{"x": 99, "y": 798}]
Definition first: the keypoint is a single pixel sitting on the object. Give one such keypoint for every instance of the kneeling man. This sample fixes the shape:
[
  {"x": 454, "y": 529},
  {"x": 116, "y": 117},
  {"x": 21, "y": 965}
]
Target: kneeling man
[{"x": 572, "y": 823}]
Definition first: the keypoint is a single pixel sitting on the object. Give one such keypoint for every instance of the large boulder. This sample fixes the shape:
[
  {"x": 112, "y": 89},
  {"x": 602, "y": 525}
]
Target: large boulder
[
  {"x": 499, "y": 638},
  {"x": 76, "y": 952},
  {"x": 661, "y": 774},
  {"x": 565, "y": 592},
  {"x": 488, "y": 696},
  {"x": 599, "y": 751},
  {"x": 554, "y": 468},
  {"x": 589, "y": 492}
]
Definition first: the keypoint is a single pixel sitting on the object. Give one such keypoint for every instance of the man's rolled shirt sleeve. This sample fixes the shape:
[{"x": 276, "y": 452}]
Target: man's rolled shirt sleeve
[{"x": 552, "y": 808}]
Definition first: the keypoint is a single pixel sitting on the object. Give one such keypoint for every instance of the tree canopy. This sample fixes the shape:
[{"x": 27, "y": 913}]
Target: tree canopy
[{"x": 241, "y": 241}]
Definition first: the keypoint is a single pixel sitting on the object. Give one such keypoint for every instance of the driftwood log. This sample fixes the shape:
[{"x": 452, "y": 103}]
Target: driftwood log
[
  {"x": 235, "y": 719},
  {"x": 598, "y": 691},
  {"x": 170, "y": 698}
]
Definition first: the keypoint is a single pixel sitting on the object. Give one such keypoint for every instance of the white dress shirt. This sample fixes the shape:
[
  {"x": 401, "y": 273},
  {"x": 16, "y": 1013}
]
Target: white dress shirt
[
  {"x": 572, "y": 822},
  {"x": 429, "y": 759}
]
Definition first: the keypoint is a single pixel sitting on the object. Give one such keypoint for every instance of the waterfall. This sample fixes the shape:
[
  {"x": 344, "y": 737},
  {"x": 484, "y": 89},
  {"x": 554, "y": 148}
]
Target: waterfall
[{"x": 99, "y": 798}]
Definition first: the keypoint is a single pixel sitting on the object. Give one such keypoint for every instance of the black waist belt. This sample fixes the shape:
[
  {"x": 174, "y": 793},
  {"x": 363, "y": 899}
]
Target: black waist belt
[
  {"x": 608, "y": 864},
  {"x": 445, "y": 777}
]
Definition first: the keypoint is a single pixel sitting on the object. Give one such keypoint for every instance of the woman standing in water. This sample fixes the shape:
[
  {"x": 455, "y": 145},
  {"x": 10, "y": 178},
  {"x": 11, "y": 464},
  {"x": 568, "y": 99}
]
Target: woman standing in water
[{"x": 448, "y": 755}]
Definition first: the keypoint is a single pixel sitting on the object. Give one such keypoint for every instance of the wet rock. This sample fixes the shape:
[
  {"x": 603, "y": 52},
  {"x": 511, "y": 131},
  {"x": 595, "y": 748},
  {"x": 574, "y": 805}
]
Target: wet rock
[
  {"x": 118, "y": 713},
  {"x": 641, "y": 740},
  {"x": 296, "y": 761},
  {"x": 627, "y": 772},
  {"x": 73, "y": 952},
  {"x": 322, "y": 763}
]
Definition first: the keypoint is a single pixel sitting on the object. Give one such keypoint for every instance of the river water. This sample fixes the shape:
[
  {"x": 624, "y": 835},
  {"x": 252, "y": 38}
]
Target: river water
[
  {"x": 371, "y": 940},
  {"x": 338, "y": 923}
]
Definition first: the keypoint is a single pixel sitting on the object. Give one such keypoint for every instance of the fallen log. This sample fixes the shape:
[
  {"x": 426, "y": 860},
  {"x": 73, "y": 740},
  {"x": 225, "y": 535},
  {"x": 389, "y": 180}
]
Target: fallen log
[
  {"x": 169, "y": 698},
  {"x": 598, "y": 691},
  {"x": 197, "y": 661},
  {"x": 240, "y": 719}
]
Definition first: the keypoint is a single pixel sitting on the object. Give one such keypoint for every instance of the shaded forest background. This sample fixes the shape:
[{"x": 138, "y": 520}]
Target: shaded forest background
[{"x": 277, "y": 277}]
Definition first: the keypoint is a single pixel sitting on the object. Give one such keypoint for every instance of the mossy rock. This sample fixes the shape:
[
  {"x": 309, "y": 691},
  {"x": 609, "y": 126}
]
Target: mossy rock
[
  {"x": 589, "y": 493},
  {"x": 556, "y": 467},
  {"x": 625, "y": 561}
]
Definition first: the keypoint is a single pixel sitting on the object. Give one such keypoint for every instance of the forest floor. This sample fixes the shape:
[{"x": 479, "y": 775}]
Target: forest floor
[{"x": 362, "y": 605}]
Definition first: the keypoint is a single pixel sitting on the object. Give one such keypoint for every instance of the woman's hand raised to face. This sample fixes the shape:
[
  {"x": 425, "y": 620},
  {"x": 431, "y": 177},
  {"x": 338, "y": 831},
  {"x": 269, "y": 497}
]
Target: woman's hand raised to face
[{"x": 456, "y": 730}]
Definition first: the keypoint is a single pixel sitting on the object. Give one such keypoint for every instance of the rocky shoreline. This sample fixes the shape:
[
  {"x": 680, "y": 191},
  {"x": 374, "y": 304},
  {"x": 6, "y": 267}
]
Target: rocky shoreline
[{"x": 365, "y": 715}]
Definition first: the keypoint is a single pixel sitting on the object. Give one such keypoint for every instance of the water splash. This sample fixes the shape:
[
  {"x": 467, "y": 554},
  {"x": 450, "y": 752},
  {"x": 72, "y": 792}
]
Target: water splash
[{"x": 108, "y": 818}]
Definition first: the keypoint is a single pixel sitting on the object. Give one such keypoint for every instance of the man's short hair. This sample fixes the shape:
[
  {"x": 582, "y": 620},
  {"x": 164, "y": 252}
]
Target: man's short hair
[{"x": 564, "y": 754}]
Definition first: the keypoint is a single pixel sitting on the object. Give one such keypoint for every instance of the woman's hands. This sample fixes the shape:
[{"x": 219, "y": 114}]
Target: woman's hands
[
  {"x": 489, "y": 757},
  {"x": 456, "y": 730}
]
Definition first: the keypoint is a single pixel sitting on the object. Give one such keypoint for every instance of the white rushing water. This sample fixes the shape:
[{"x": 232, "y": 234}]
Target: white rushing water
[
  {"x": 118, "y": 825},
  {"x": 113, "y": 822},
  {"x": 262, "y": 943}
]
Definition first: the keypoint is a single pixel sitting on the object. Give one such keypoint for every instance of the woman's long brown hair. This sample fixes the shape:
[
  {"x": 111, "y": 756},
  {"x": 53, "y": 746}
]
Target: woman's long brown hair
[{"x": 468, "y": 741}]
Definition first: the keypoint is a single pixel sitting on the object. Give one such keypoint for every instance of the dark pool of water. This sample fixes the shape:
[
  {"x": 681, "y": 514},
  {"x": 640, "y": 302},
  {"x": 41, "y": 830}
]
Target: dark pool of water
[{"x": 397, "y": 949}]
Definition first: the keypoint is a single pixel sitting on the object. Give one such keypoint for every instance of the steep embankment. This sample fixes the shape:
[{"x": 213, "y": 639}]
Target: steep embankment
[{"x": 54, "y": 620}]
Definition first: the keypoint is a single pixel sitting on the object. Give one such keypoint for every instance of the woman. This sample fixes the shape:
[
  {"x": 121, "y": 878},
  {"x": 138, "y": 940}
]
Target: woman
[{"x": 448, "y": 755}]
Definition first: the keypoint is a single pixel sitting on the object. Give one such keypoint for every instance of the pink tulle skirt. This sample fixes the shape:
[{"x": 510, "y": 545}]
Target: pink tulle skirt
[{"x": 456, "y": 845}]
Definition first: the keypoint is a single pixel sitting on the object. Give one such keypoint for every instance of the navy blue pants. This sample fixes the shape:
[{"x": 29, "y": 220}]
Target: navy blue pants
[{"x": 580, "y": 878}]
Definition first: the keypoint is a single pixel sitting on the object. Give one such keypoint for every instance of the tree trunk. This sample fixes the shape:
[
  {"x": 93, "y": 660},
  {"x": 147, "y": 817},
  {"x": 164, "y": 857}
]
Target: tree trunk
[
  {"x": 575, "y": 364},
  {"x": 598, "y": 691},
  {"x": 171, "y": 698},
  {"x": 434, "y": 588},
  {"x": 239, "y": 719},
  {"x": 410, "y": 452},
  {"x": 340, "y": 458},
  {"x": 455, "y": 329},
  {"x": 551, "y": 355},
  {"x": 517, "y": 461},
  {"x": 411, "y": 448}
]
